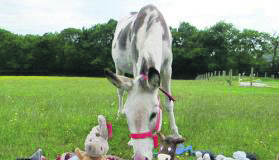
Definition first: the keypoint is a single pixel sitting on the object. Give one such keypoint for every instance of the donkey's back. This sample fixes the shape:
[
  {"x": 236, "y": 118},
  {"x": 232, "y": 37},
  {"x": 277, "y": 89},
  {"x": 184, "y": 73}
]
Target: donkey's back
[{"x": 142, "y": 35}]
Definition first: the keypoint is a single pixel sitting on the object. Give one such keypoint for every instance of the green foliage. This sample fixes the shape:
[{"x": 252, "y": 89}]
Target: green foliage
[
  {"x": 72, "y": 51},
  {"x": 87, "y": 51}
]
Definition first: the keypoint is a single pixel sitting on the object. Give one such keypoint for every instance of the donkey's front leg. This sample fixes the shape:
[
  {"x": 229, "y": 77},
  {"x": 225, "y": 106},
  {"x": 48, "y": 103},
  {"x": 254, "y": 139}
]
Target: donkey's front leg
[{"x": 166, "y": 82}]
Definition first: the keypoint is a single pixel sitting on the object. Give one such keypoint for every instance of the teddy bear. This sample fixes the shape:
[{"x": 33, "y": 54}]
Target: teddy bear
[{"x": 82, "y": 155}]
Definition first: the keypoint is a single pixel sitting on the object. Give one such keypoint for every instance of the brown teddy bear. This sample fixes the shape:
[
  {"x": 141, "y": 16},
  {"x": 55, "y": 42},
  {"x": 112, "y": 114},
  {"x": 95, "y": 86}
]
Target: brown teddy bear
[{"x": 85, "y": 156}]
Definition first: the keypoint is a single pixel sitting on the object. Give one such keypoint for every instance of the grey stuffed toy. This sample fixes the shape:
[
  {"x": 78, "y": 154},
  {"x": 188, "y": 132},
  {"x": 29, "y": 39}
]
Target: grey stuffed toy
[{"x": 96, "y": 143}]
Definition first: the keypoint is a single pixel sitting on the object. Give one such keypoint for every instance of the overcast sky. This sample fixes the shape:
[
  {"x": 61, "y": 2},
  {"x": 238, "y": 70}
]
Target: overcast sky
[{"x": 41, "y": 16}]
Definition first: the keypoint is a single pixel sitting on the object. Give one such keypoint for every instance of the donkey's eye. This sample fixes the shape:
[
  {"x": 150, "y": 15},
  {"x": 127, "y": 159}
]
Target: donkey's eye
[
  {"x": 169, "y": 149},
  {"x": 153, "y": 115}
]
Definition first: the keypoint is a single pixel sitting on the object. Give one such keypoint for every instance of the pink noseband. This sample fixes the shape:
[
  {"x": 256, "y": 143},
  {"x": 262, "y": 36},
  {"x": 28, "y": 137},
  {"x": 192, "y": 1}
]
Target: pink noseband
[
  {"x": 149, "y": 134},
  {"x": 157, "y": 125}
]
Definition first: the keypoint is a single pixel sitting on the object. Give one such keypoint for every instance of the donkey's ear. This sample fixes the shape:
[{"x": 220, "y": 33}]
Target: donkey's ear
[
  {"x": 153, "y": 78},
  {"x": 121, "y": 82},
  {"x": 162, "y": 136},
  {"x": 179, "y": 140}
]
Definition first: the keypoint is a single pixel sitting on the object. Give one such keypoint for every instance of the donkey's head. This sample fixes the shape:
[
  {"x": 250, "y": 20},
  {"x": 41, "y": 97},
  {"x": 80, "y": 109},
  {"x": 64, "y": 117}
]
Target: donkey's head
[{"x": 141, "y": 108}]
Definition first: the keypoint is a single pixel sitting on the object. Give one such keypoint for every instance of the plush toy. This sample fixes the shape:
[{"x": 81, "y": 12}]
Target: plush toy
[
  {"x": 201, "y": 156},
  {"x": 38, "y": 155},
  {"x": 168, "y": 147},
  {"x": 81, "y": 155},
  {"x": 221, "y": 157},
  {"x": 239, "y": 155},
  {"x": 96, "y": 143}
]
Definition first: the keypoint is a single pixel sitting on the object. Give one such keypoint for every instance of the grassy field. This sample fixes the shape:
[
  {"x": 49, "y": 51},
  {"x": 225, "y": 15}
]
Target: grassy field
[{"x": 57, "y": 113}]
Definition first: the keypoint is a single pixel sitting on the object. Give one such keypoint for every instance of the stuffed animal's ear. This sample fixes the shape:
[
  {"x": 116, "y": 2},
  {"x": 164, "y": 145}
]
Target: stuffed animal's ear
[
  {"x": 179, "y": 140},
  {"x": 77, "y": 151},
  {"x": 103, "y": 127},
  {"x": 162, "y": 136}
]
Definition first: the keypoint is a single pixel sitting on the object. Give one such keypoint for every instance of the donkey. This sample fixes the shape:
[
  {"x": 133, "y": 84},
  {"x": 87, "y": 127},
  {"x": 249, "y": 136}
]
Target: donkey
[{"x": 142, "y": 47}]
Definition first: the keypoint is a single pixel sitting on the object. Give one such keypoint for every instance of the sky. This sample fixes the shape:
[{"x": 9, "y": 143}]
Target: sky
[{"x": 41, "y": 16}]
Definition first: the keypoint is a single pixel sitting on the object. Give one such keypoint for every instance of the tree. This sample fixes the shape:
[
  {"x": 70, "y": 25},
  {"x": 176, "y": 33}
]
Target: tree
[
  {"x": 87, "y": 51},
  {"x": 275, "y": 44}
]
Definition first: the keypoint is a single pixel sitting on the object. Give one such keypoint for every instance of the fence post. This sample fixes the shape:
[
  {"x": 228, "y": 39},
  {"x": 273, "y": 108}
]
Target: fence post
[
  {"x": 230, "y": 77},
  {"x": 265, "y": 75},
  {"x": 239, "y": 76}
]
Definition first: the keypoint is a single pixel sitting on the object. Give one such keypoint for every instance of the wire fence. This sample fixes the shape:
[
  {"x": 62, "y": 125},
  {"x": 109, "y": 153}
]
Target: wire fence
[{"x": 229, "y": 77}]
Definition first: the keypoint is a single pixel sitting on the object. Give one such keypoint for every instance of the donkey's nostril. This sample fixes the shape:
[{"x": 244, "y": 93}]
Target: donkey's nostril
[{"x": 139, "y": 156}]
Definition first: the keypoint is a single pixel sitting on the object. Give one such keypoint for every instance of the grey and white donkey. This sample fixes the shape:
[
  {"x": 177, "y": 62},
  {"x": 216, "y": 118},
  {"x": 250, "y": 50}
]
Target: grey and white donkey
[{"x": 142, "y": 47}]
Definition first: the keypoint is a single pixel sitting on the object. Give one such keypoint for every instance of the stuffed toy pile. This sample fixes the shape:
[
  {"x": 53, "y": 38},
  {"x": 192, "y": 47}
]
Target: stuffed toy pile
[
  {"x": 96, "y": 145},
  {"x": 239, "y": 155}
]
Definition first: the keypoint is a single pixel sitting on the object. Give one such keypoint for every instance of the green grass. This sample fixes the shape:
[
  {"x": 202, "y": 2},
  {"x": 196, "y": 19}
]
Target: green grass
[{"x": 57, "y": 113}]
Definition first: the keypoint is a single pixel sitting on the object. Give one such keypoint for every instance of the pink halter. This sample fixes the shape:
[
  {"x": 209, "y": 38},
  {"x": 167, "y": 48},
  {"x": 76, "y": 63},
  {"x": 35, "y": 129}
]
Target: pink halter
[
  {"x": 171, "y": 98},
  {"x": 150, "y": 134},
  {"x": 157, "y": 125}
]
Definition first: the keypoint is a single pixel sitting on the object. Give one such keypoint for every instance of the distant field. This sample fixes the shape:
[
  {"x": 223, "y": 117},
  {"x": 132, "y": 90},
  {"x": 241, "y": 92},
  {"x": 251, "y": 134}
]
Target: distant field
[{"x": 57, "y": 113}]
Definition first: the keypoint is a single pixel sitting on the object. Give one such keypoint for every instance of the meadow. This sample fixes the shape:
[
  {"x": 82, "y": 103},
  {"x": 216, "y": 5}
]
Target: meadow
[{"x": 57, "y": 113}]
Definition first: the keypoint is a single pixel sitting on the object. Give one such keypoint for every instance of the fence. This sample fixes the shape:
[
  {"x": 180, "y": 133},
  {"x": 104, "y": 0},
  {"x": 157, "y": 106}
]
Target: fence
[{"x": 250, "y": 77}]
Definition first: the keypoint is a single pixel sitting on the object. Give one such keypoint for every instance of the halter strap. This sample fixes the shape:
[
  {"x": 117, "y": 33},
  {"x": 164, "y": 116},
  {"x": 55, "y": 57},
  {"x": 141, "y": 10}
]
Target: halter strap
[
  {"x": 144, "y": 76},
  {"x": 150, "y": 134},
  {"x": 157, "y": 125},
  {"x": 171, "y": 98}
]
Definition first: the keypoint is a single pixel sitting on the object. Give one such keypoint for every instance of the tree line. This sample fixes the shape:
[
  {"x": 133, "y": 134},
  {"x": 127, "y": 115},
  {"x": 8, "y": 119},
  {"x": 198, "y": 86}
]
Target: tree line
[{"x": 87, "y": 51}]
